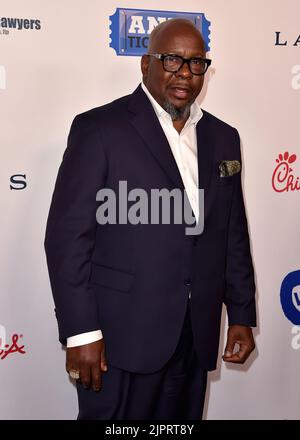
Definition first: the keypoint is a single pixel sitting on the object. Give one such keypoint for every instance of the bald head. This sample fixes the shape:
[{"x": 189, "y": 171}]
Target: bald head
[
  {"x": 174, "y": 90},
  {"x": 170, "y": 28}
]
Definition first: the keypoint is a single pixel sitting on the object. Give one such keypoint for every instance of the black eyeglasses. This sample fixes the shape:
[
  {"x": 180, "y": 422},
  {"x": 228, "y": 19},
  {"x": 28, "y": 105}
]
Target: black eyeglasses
[{"x": 173, "y": 63}]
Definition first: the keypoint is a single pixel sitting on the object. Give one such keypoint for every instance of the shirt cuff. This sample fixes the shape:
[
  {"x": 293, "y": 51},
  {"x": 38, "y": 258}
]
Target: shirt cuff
[{"x": 84, "y": 338}]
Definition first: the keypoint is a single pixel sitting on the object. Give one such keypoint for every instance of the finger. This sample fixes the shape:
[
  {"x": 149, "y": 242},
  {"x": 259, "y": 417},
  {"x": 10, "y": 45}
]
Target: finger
[
  {"x": 103, "y": 363},
  {"x": 238, "y": 357},
  {"x": 96, "y": 377},
  {"x": 228, "y": 352},
  {"x": 71, "y": 367},
  {"x": 244, "y": 352},
  {"x": 85, "y": 375},
  {"x": 234, "y": 358}
]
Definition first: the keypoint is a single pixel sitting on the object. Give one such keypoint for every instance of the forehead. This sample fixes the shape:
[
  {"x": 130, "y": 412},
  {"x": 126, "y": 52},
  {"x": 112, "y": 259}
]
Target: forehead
[{"x": 181, "y": 40}]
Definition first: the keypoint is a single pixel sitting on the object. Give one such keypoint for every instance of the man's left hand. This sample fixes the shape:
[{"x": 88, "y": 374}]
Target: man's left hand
[{"x": 241, "y": 335}]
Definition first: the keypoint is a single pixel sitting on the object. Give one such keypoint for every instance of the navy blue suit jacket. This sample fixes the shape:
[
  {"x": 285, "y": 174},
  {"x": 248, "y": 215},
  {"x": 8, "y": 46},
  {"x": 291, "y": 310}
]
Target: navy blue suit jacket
[{"x": 133, "y": 281}]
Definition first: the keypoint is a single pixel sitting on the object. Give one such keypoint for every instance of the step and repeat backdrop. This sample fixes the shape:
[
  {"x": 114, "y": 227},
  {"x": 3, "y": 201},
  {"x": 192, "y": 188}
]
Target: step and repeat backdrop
[{"x": 59, "y": 58}]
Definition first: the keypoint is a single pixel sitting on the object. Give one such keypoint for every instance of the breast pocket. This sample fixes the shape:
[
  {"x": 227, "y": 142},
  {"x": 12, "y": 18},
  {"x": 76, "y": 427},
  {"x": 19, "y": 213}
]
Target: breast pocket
[
  {"x": 110, "y": 277},
  {"x": 225, "y": 181}
]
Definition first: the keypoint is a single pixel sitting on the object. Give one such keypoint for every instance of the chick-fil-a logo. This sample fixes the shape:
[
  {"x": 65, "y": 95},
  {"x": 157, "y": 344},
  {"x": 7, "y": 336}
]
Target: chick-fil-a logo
[
  {"x": 283, "y": 179},
  {"x": 12, "y": 347}
]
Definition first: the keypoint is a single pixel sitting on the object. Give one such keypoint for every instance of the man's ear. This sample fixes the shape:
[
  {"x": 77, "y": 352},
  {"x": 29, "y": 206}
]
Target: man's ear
[{"x": 145, "y": 65}]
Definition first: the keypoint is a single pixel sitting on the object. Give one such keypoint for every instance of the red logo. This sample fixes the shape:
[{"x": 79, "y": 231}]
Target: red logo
[
  {"x": 283, "y": 179},
  {"x": 13, "y": 347}
]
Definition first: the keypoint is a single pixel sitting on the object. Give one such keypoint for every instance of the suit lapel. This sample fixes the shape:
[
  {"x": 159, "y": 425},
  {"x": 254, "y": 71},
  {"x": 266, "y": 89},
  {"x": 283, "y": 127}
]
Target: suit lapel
[
  {"x": 145, "y": 121},
  {"x": 205, "y": 149},
  {"x": 147, "y": 125}
]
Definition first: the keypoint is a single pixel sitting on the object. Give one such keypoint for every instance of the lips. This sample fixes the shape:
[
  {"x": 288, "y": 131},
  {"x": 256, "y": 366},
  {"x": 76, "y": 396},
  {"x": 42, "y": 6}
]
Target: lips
[{"x": 179, "y": 91}]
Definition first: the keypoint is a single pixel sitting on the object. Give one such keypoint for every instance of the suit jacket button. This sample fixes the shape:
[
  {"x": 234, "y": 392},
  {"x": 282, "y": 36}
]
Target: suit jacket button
[{"x": 187, "y": 282}]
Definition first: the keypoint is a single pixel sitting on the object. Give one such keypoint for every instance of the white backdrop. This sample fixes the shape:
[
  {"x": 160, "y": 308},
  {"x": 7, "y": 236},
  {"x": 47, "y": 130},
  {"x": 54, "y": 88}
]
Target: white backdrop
[{"x": 47, "y": 76}]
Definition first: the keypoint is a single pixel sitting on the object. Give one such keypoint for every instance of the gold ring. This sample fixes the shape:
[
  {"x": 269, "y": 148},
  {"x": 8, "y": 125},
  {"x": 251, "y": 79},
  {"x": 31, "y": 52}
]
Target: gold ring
[{"x": 74, "y": 374}]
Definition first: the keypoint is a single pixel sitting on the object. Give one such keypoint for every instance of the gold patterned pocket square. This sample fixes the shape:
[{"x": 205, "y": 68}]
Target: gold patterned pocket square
[{"x": 229, "y": 168}]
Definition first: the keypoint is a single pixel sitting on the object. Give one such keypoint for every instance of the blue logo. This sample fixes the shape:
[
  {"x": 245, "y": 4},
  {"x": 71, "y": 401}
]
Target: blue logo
[
  {"x": 290, "y": 297},
  {"x": 130, "y": 28}
]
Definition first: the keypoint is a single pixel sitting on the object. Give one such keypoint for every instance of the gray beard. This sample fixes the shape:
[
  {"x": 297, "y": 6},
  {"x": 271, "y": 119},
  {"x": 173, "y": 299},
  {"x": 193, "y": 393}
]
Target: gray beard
[{"x": 175, "y": 112}]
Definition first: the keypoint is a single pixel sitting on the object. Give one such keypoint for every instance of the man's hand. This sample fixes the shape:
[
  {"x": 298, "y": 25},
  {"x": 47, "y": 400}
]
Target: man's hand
[
  {"x": 241, "y": 335},
  {"x": 89, "y": 360}
]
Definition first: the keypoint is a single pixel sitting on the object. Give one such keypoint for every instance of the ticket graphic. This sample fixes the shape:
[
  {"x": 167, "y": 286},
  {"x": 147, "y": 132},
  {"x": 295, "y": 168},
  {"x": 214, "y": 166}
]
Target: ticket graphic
[{"x": 130, "y": 28}]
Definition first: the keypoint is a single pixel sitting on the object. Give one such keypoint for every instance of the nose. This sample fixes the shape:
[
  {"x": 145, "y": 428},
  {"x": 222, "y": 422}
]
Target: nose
[{"x": 184, "y": 71}]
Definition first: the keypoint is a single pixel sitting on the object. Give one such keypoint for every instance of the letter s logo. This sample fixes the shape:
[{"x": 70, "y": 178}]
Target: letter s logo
[{"x": 17, "y": 183}]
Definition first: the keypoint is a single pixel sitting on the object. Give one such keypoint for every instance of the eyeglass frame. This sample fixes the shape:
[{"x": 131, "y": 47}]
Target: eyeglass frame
[{"x": 162, "y": 56}]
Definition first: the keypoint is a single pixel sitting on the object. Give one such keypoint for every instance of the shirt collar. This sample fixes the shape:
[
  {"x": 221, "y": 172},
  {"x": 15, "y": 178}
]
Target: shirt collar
[{"x": 195, "y": 111}]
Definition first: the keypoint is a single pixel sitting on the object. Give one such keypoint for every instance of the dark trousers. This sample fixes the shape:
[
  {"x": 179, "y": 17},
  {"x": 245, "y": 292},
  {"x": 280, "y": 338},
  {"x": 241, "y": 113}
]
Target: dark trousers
[{"x": 177, "y": 391}]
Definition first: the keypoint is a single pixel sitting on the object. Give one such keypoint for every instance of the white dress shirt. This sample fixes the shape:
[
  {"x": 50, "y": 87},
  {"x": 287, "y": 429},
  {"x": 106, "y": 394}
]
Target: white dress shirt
[
  {"x": 183, "y": 146},
  {"x": 184, "y": 149}
]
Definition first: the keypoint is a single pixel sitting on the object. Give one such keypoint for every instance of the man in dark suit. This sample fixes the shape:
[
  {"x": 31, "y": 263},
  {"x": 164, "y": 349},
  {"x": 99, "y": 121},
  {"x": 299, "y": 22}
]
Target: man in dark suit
[{"x": 139, "y": 304}]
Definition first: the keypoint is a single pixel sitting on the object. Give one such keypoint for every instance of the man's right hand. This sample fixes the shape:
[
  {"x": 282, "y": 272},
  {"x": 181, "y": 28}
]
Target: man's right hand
[{"x": 89, "y": 360}]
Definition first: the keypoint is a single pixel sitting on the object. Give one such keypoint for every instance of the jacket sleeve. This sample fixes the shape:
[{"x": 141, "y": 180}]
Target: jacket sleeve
[
  {"x": 71, "y": 228},
  {"x": 240, "y": 285}
]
